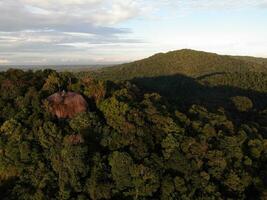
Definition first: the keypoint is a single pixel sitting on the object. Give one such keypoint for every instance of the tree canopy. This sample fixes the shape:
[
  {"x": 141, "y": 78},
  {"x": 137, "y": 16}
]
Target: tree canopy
[{"x": 130, "y": 143}]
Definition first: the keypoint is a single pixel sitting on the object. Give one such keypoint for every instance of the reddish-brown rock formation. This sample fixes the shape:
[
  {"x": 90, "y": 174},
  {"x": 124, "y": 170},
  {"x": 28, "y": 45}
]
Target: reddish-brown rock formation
[{"x": 66, "y": 104}]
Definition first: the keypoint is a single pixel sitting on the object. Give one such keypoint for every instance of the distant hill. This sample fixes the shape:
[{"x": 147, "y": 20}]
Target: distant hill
[{"x": 187, "y": 62}]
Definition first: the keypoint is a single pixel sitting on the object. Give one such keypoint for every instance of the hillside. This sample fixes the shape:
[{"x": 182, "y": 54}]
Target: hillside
[
  {"x": 189, "y": 76},
  {"x": 253, "y": 59},
  {"x": 254, "y": 81},
  {"x": 187, "y": 62}
]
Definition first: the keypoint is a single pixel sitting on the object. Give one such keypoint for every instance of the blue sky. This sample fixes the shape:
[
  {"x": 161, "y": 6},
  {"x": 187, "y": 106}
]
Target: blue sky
[{"x": 43, "y": 32}]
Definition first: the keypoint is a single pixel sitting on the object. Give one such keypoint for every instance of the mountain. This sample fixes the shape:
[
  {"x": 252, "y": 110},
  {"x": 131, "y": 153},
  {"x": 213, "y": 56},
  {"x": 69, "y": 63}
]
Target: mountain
[
  {"x": 187, "y": 62},
  {"x": 194, "y": 76}
]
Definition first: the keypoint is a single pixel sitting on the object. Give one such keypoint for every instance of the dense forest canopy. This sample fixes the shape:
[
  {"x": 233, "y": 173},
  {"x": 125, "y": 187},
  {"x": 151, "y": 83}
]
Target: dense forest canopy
[{"x": 162, "y": 136}]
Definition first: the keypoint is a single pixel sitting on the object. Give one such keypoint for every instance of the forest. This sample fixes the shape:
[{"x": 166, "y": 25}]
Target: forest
[{"x": 168, "y": 137}]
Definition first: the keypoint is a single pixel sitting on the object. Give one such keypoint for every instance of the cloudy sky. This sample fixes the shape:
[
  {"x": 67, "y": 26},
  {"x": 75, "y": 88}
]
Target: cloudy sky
[{"x": 41, "y": 32}]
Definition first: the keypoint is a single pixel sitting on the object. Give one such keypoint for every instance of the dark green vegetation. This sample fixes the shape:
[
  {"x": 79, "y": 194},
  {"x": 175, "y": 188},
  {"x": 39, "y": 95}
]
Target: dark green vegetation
[
  {"x": 157, "y": 136},
  {"x": 187, "y": 62},
  {"x": 189, "y": 77}
]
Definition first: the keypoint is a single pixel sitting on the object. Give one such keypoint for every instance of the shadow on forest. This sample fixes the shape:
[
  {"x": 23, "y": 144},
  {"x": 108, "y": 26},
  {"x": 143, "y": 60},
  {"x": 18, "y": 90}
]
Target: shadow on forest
[{"x": 187, "y": 91}]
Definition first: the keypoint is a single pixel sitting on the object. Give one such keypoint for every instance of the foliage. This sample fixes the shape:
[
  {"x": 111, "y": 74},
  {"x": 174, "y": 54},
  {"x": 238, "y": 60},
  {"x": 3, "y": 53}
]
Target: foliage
[
  {"x": 242, "y": 104},
  {"x": 187, "y": 62},
  {"x": 131, "y": 143}
]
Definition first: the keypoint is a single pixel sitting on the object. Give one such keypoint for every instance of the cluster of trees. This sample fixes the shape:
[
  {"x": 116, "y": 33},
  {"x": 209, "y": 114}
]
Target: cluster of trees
[
  {"x": 128, "y": 144},
  {"x": 247, "y": 80}
]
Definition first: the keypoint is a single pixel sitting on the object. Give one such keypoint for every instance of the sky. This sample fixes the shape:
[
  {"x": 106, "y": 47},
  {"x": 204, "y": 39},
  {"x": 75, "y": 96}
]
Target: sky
[{"x": 81, "y": 32}]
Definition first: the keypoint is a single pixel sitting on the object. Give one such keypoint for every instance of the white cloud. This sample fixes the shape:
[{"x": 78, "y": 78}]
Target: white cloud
[
  {"x": 117, "y": 11},
  {"x": 211, "y": 4},
  {"x": 64, "y": 14},
  {"x": 33, "y": 31},
  {"x": 3, "y": 61},
  {"x": 104, "y": 12},
  {"x": 43, "y": 27},
  {"x": 51, "y": 3}
]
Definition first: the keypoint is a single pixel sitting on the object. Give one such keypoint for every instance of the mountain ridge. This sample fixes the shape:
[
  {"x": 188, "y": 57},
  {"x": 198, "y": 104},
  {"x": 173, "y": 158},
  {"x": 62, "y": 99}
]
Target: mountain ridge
[{"x": 185, "y": 61}]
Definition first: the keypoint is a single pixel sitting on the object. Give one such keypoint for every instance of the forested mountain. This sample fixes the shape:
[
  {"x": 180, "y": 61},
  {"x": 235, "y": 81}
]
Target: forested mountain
[
  {"x": 187, "y": 62},
  {"x": 184, "y": 131},
  {"x": 189, "y": 76}
]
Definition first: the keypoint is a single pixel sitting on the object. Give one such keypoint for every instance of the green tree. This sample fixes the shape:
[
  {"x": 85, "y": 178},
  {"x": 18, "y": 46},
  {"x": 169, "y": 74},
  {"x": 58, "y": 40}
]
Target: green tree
[{"x": 242, "y": 104}]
